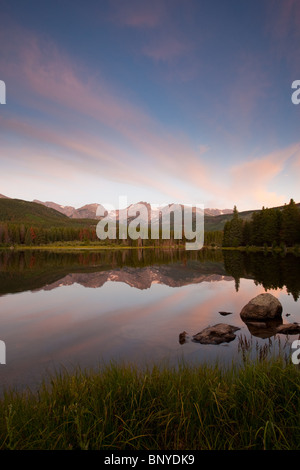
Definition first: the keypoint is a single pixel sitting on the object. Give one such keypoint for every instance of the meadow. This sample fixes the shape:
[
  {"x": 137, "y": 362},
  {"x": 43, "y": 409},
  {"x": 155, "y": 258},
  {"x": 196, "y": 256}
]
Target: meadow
[{"x": 250, "y": 406}]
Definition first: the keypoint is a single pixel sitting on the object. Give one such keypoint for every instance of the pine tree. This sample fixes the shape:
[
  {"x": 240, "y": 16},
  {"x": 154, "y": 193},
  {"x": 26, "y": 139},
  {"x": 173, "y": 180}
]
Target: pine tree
[
  {"x": 290, "y": 233},
  {"x": 233, "y": 230}
]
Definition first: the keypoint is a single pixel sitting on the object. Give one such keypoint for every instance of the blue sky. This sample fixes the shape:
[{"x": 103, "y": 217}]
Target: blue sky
[{"x": 164, "y": 101}]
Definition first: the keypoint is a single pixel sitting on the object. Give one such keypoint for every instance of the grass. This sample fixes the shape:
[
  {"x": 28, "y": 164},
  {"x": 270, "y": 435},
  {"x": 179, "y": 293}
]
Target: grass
[{"x": 252, "y": 406}]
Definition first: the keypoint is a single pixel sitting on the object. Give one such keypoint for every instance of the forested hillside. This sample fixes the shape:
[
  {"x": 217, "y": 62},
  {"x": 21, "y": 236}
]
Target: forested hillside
[
  {"x": 268, "y": 227},
  {"x": 30, "y": 223},
  {"x": 24, "y": 222}
]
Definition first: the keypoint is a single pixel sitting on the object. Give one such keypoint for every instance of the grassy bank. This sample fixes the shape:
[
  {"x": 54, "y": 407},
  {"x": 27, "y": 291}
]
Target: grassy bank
[{"x": 255, "y": 406}]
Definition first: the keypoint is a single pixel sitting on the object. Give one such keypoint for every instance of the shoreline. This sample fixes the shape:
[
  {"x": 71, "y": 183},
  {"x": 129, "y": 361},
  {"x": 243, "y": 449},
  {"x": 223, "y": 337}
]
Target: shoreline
[
  {"x": 123, "y": 407},
  {"x": 66, "y": 247},
  {"x": 85, "y": 248}
]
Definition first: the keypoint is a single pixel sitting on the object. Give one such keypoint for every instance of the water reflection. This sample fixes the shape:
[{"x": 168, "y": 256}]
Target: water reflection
[
  {"x": 272, "y": 271},
  {"x": 264, "y": 329},
  {"x": 21, "y": 271},
  {"x": 81, "y": 308}
]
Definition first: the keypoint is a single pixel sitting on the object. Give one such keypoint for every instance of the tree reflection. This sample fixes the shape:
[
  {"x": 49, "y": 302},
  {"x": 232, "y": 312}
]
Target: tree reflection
[{"x": 272, "y": 271}]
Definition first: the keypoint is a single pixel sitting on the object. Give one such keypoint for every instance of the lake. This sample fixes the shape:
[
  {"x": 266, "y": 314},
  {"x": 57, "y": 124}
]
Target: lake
[{"x": 61, "y": 310}]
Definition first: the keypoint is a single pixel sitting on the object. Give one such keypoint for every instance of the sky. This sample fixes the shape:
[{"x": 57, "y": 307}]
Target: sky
[{"x": 165, "y": 101}]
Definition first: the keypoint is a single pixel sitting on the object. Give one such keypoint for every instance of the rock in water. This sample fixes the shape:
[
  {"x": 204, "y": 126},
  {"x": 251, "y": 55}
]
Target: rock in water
[
  {"x": 289, "y": 329},
  {"x": 183, "y": 337},
  {"x": 262, "y": 307},
  {"x": 220, "y": 333}
]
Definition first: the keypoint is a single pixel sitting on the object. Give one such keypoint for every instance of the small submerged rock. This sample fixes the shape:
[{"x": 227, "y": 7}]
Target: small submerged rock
[
  {"x": 225, "y": 313},
  {"x": 217, "y": 334},
  {"x": 262, "y": 307},
  {"x": 183, "y": 337}
]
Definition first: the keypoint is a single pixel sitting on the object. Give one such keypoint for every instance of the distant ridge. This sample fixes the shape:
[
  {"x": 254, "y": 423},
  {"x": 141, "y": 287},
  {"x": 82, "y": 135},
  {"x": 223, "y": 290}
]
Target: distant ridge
[
  {"x": 89, "y": 210},
  {"x": 212, "y": 223},
  {"x": 215, "y": 212},
  {"x": 50, "y": 213},
  {"x": 85, "y": 212},
  {"x": 19, "y": 211}
]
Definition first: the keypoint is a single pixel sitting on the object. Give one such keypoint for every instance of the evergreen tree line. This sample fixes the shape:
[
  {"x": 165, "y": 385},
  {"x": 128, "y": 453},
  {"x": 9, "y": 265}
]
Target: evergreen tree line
[
  {"x": 21, "y": 234},
  {"x": 268, "y": 227}
]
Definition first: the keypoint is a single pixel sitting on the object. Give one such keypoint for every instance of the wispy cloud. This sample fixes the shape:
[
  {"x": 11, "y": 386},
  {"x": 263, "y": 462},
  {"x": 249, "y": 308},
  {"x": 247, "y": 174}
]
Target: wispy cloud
[
  {"x": 51, "y": 82},
  {"x": 253, "y": 180},
  {"x": 283, "y": 28},
  {"x": 283, "y": 18},
  {"x": 137, "y": 14},
  {"x": 80, "y": 126},
  {"x": 166, "y": 49}
]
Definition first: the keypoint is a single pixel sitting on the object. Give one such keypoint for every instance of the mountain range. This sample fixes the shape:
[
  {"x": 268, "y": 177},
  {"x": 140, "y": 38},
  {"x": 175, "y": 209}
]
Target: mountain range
[
  {"x": 51, "y": 213},
  {"x": 88, "y": 211},
  {"x": 85, "y": 212}
]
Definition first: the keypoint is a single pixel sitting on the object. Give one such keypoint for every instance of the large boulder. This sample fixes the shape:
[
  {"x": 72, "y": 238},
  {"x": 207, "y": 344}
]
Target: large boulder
[
  {"x": 262, "y": 307},
  {"x": 220, "y": 333}
]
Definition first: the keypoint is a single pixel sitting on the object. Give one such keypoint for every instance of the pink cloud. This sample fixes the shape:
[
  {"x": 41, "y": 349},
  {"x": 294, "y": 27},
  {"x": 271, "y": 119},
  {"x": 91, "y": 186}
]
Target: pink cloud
[
  {"x": 166, "y": 49},
  {"x": 167, "y": 45},
  {"x": 138, "y": 14},
  {"x": 142, "y": 151},
  {"x": 251, "y": 179},
  {"x": 248, "y": 88},
  {"x": 283, "y": 18},
  {"x": 60, "y": 155},
  {"x": 51, "y": 82},
  {"x": 283, "y": 26}
]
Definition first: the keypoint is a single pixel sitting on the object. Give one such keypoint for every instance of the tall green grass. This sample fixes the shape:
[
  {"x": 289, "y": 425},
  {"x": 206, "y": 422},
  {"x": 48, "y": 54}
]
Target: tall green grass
[{"x": 251, "y": 406}]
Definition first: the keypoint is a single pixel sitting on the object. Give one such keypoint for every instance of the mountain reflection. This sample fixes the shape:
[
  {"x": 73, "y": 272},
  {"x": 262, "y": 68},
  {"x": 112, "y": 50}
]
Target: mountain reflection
[
  {"x": 34, "y": 270},
  {"x": 21, "y": 271}
]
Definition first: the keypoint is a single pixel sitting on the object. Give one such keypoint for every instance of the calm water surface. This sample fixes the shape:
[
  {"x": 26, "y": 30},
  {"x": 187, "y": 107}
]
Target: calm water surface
[{"x": 63, "y": 310}]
